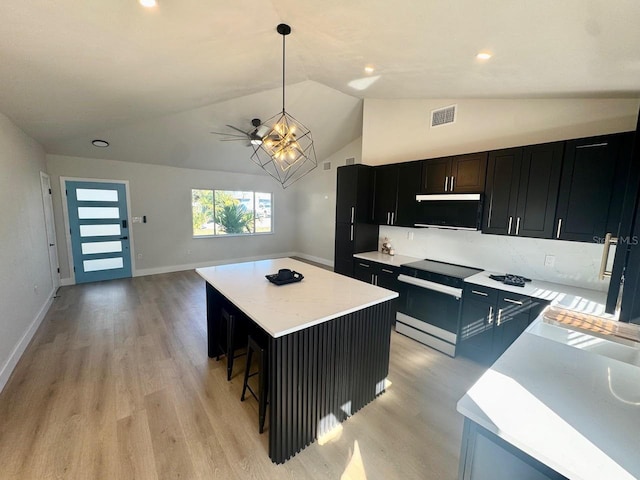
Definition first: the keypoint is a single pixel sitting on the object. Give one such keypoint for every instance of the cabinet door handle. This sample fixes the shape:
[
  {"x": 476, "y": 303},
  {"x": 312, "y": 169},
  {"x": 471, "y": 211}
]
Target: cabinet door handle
[
  {"x": 603, "y": 144},
  {"x": 518, "y": 226},
  {"x": 608, "y": 241},
  {"x": 453, "y": 179},
  {"x": 388, "y": 216},
  {"x": 373, "y": 282},
  {"x": 364, "y": 265},
  {"x": 386, "y": 271},
  {"x": 376, "y": 279},
  {"x": 559, "y": 227},
  {"x": 352, "y": 232},
  {"x": 480, "y": 293},
  {"x": 353, "y": 213},
  {"x": 499, "y": 317},
  {"x": 446, "y": 183},
  {"x": 517, "y": 302},
  {"x": 510, "y": 223},
  {"x": 393, "y": 214},
  {"x": 490, "y": 320}
]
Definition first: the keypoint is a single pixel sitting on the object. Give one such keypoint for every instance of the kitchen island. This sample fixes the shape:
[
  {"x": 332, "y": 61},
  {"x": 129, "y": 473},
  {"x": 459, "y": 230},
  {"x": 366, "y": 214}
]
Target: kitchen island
[
  {"x": 559, "y": 403},
  {"x": 328, "y": 343}
]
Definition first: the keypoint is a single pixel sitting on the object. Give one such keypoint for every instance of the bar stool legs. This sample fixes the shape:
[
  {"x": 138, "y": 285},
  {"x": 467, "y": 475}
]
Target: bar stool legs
[
  {"x": 261, "y": 397},
  {"x": 230, "y": 321}
]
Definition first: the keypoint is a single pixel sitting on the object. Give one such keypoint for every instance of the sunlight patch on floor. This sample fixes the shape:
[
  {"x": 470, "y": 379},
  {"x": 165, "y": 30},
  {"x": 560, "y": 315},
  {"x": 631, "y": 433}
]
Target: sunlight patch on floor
[{"x": 355, "y": 467}]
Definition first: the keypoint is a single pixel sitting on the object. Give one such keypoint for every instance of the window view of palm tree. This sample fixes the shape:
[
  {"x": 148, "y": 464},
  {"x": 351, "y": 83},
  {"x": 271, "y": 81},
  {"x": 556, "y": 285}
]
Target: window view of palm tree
[{"x": 226, "y": 212}]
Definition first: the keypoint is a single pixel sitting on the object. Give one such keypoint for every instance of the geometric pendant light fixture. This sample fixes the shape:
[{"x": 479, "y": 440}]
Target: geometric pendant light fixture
[{"x": 286, "y": 151}]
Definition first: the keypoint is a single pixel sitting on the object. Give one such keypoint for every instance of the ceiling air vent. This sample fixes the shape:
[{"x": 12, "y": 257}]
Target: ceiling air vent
[
  {"x": 443, "y": 116},
  {"x": 327, "y": 165}
]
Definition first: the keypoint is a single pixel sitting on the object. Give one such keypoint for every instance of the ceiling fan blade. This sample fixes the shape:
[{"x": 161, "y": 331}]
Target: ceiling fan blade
[
  {"x": 237, "y": 129},
  {"x": 227, "y": 134},
  {"x": 231, "y": 139}
]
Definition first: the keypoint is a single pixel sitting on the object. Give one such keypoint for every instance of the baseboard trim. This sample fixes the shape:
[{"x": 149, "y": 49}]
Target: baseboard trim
[
  {"x": 16, "y": 354},
  {"x": 311, "y": 258},
  {"x": 64, "y": 282},
  {"x": 192, "y": 266}
]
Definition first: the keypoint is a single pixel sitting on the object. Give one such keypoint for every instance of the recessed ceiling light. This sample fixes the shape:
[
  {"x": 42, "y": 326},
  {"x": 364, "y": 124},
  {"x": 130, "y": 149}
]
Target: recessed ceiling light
[
  {"x": 100, "y": 143},
  {"x": 149, "y": 3},
  {"x": 369, "y": 69},
  {"x": 483, "y": 56}
]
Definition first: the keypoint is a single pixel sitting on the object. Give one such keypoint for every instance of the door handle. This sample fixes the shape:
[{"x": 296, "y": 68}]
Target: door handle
[
  {"x": 393, "y": 214},
  {"x": 453, "y": 179},
  {"x": 510, "y": 223},
  {"x": 499, "y": 317},
  {"x": 351, "y": 233},
  {"x": 480, "y": 293},
  {"x": 388, "y": 217},
  {"x": 559, "y": 227},
  {"x": 516, "y": 302},
  {"x": 490, "y": 320},
  {"x": 446, "y": 183},
  {"x": 364, "y": 265},
  {"x": 608, "y": 241},
  {"x": 518, "y": 226},
  {"x": 124, "y": 238},
  {"x": 353, "y": 213},
  {"x": 386, "y": 271}
]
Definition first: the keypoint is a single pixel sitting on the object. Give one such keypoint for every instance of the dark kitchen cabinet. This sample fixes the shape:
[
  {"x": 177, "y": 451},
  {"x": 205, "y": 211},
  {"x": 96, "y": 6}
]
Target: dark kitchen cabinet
[
  {"x": 457, "y": 174},
  {"x": 594, "y": 175},
  {"x": 395, "y": 190},
  {"x": 375, "y": 273},
  {"x": 492, "y": 319},
  {"x": 353, "y": 233},
  {"x": 522, "y": 190},
  {"x": 385, "y": 198}
]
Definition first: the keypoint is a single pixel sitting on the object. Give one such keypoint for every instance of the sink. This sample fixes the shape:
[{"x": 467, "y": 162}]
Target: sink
[{"x": 615, "y": 348}]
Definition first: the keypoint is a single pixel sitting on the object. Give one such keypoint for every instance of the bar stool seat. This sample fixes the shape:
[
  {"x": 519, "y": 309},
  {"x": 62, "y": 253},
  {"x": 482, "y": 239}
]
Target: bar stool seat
[
  {"x": 254, "y": 347},
  {"x": 229, "y": 321}
]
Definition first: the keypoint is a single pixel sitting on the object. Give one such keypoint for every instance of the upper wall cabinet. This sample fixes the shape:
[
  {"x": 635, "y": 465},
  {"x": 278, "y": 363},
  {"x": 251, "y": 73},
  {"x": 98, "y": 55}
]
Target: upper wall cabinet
[
  {"x": 459, "y": 174},
  {"x": 594, "y": 175},
  {"x": 395, "y": 192},
  {"x": 522, "y": 190}
]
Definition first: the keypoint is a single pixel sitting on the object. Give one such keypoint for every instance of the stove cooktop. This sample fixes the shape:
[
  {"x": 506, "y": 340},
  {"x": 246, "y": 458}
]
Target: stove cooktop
[{"x": 442, "y": 268}]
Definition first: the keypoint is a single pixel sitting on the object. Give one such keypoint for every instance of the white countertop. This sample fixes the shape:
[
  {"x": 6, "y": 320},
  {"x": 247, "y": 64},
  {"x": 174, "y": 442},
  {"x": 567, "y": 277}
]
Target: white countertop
[
  {"x": 573, "y": 298},
  {"x": 393, "y": 260},
  {"x": 322, "y": 295},
  {"x": 570, "y": 400}
]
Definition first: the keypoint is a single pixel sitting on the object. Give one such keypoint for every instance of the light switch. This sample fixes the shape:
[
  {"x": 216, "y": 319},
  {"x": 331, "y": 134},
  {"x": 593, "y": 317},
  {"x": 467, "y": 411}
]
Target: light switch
[{"x": 549, "y": 261}]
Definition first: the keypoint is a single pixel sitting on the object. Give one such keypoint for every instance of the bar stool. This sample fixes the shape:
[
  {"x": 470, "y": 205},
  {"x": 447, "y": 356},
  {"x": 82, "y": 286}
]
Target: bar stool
[
  {"x": 261, "y": 397},
  {"x": 230, "y": 322}
]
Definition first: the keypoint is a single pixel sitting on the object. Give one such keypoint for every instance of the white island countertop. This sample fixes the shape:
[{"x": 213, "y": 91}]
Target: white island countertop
[
  {"x": 321, "y": 296},
  {"x": 568, "y": 399}
]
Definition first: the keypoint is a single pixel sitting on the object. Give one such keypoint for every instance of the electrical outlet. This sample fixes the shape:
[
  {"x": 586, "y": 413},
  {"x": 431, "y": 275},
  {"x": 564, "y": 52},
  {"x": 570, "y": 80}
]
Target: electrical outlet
[
  {"x": 410, "y": 235},
  {"x": 549, "y": 261}
]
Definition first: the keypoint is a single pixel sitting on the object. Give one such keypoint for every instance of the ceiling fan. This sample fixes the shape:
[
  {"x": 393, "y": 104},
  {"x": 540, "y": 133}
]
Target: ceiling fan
[{"x": 254, "y": 135}]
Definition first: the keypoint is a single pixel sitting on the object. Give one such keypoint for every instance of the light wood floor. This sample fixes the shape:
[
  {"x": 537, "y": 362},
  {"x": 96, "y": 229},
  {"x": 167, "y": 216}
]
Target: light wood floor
[{"x": 117, "y": 385}]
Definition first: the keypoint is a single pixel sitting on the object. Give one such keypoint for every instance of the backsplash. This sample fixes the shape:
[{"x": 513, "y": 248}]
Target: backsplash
[{"x": 576, "y": 263}]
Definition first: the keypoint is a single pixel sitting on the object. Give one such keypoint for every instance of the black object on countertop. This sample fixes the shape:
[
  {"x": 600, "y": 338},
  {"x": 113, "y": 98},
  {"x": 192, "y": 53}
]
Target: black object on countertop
[
  {"x": 510, "y": 279},
  {"x": 284, "y": 276}
]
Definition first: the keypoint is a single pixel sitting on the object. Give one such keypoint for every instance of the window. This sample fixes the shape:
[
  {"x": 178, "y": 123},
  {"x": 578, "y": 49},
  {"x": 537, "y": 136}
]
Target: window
[{"x": 227, "y": 212}]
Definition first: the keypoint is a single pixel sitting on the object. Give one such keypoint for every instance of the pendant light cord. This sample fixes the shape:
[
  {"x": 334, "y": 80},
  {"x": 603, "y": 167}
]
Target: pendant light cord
[{"x": 283, "y": 60}]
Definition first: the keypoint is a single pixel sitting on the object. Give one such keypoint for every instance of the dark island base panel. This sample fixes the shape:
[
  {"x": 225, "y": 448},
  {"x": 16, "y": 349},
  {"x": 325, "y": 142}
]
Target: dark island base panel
[
  {"x": 323, "y": 374},
  {"x": 320, "y": 375}
]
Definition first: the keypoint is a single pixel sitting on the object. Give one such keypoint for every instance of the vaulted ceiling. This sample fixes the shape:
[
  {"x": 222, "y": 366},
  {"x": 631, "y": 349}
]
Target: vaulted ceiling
[{"x": 155, "y": 82}]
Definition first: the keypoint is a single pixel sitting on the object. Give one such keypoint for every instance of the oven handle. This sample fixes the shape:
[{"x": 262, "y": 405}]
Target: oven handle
[{"x": 437, "y": 287}]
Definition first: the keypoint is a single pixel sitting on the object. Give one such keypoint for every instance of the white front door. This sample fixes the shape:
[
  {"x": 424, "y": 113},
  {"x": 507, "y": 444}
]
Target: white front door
[{"x": 47, "y": 205}]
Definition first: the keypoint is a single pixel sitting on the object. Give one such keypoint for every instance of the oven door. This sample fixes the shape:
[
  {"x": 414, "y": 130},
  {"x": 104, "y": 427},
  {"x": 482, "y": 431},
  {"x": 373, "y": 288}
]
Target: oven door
[{"x": 429, "y": 312}]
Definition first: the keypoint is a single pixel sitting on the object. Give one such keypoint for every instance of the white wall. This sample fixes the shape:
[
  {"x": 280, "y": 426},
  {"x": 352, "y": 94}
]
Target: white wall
[
  {"x": 163, "y": 194},
  {"x": 316, "y": 206},
  {"x": 576, "y": 263},
  {"x": 25, "y": 280},
  {"x": 398, "y": 130}
]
